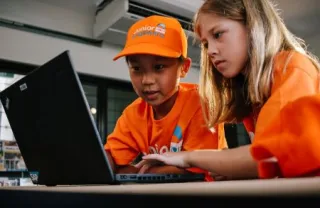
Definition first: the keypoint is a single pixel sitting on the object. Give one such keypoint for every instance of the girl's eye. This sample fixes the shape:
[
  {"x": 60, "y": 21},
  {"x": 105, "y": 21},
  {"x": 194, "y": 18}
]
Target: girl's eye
[
  {"x": 217, "y": 35},
  {"x": 205, "y": 45}
]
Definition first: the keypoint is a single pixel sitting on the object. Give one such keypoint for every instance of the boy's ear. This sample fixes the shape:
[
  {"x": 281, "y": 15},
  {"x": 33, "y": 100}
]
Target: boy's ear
[{"x": 185, "y": 67}]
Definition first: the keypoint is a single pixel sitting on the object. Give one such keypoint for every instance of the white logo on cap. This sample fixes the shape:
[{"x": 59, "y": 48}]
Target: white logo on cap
[
  {"x": 143, "y": 28},
  {"x": 159, "y": 31},
  {"x": 161, "y": 28}
]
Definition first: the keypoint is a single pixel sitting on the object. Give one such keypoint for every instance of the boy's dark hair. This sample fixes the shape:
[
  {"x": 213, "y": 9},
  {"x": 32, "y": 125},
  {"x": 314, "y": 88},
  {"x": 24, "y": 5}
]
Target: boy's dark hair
[{"x": 181, "y": 59}]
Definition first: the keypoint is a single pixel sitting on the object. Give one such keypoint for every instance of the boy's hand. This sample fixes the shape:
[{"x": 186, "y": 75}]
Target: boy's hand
[
  {"x": 136, "y": 163},
  {"x": 127, "y": 169},
  {"x": 145, "y": 166}
]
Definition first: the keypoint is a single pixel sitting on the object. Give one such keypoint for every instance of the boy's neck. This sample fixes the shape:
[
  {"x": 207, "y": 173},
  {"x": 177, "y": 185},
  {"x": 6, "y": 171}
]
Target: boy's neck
[{"x": 162, "y": 110}]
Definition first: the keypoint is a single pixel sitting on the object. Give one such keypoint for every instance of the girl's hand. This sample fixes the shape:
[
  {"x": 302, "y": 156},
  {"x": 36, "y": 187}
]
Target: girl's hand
[{"x": 178, "y": 159}]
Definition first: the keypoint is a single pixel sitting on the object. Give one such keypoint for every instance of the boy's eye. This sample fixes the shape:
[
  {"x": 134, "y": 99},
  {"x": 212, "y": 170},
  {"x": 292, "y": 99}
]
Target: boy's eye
[
  {"x": 159, "y": 66},
  {"x": 135, "y": 68}
]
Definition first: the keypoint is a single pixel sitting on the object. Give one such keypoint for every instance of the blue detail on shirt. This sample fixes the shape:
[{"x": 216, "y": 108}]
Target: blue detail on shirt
[{"x": 178, "y": 132}]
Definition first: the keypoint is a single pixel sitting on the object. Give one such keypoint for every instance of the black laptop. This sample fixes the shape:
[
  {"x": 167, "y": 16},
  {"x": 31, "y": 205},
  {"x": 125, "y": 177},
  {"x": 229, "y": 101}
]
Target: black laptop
[{"x": 56, "y": 133}]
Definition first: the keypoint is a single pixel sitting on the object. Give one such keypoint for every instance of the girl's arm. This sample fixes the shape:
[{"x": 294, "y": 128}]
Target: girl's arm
[{"x": 234, "y": 163}]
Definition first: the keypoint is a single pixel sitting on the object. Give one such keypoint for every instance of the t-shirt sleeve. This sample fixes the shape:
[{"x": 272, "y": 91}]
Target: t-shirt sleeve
[
  {"x": 121, "y": 144},
  {"x": 297, "y": 145},
  {"x": 222, "y": 141},
  {"x": 198, "y": 135},
  {"x": 275, "y": 135}
]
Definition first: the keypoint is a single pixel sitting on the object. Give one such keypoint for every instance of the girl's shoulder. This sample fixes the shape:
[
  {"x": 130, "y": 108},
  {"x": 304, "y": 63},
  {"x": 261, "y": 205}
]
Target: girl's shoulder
[{"x": 285, "y": 60}]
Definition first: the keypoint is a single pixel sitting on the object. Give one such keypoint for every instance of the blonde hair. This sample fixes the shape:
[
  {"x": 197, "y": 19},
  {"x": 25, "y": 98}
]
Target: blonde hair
[{"x": 232, "y": 99}]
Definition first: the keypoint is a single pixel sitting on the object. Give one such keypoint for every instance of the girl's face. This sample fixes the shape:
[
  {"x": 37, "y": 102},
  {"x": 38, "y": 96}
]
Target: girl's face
[{"x": 226, "y": 41}]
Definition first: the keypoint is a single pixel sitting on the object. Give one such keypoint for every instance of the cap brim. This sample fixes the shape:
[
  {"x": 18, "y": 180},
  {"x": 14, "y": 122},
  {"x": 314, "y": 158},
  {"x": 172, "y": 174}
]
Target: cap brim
[{"x": 148, "y": 48}]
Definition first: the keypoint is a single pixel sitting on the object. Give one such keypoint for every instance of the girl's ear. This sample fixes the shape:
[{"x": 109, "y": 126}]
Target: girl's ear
[{"x": 185, "y": 67}]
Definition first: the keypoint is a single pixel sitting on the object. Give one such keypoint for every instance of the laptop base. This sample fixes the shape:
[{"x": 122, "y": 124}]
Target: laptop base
[{"x": 159, "y": 178}]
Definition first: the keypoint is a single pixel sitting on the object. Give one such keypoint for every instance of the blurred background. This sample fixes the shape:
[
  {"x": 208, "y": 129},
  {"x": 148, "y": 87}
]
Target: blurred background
[{"x": 34, "y": 31}]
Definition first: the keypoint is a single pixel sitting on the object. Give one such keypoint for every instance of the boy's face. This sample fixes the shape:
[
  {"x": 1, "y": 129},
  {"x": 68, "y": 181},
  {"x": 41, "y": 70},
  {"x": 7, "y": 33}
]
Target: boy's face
[{"x": 155, "y": 79}]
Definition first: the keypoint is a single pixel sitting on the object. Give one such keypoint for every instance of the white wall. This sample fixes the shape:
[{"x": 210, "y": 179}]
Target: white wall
[
  {"x": 49, "y": 16},
  {"x": 37, "y": 49}
]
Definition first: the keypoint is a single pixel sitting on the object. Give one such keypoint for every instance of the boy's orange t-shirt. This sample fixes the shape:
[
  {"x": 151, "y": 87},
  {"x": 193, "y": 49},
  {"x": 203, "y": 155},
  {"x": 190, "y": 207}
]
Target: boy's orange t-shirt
[
  {"x": 286, "y": 126},
  {"x": 182, "y": 129}
]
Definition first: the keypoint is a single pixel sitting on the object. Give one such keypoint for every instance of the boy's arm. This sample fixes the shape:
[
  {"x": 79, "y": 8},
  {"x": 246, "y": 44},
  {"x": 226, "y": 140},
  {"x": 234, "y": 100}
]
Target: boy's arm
[
  {"x": 121, "y": 148},
  {"x": 121, "y": 168}
]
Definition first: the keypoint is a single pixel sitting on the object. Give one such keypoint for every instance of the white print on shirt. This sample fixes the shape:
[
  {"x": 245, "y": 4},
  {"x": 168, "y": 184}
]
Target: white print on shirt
[
  {"x": 155, "y": 149},
  {"x": 174, "y": 147}
]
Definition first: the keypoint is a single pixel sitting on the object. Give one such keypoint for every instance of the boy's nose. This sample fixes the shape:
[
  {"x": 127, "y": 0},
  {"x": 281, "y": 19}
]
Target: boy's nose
[{"x": 148, "y": 79}]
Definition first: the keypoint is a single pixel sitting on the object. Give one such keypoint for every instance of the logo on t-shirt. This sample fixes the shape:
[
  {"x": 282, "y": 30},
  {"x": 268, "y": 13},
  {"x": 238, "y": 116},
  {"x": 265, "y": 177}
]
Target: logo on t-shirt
[
  {"x": 175, "y": 144},
  {"x": 157, "y": 150},
  {"x": 176, "y": 147},
  {"x": 176, "y": 141}
]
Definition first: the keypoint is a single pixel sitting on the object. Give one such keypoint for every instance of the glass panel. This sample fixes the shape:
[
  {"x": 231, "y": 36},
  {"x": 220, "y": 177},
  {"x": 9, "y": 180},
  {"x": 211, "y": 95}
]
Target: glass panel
[
  {"x": 243, "y": 136},
  {"x": 91, "y": 95},
  {"x": 10, "y": 157},
  {"x": 117, "y": 101}
]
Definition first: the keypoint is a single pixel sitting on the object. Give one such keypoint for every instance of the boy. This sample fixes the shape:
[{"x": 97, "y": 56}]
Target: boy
[{"x": 167, "y": 116}]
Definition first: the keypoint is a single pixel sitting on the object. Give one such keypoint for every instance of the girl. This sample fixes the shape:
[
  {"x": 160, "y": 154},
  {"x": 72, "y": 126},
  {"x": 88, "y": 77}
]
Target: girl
[{"x": 252, "y": 67}]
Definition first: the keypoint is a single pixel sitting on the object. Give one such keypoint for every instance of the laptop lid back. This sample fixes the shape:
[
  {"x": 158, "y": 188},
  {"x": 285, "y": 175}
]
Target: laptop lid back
[{"x": 52, "y": 124}]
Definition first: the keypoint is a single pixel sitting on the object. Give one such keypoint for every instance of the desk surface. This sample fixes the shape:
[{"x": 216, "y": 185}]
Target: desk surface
[
  {"x": 270, "y": 187},
  {"x": 271, "y": 192}
]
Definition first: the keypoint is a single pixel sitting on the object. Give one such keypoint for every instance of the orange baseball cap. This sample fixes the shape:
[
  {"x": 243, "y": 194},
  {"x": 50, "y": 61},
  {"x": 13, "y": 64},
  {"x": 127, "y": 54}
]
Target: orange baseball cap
[{"x": 156, "y": 35}]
